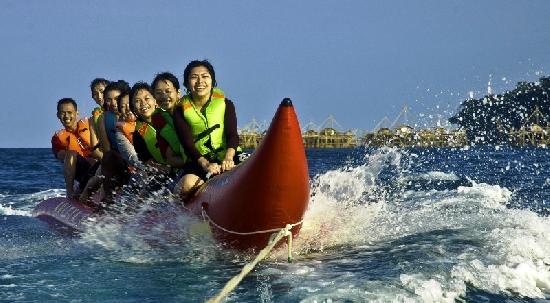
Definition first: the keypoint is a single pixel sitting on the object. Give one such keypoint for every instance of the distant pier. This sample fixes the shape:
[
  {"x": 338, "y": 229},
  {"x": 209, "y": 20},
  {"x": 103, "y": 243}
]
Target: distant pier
[
  {"x": 330, "y": 135},
  {"x": 535, "y": 131}
]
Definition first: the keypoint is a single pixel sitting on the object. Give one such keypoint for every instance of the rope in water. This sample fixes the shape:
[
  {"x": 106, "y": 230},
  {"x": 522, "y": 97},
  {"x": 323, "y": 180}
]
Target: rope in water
[
  {"x": 234, "y": 282},
  {"x": 276, "y": 236},
  {"x": 205, "y": 216}
]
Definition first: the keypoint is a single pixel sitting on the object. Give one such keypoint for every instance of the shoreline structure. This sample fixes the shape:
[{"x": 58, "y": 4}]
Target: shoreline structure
[{"x": 520, "y": 117}]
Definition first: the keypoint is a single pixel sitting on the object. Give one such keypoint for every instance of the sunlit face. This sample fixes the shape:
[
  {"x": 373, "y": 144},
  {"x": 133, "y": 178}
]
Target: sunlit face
[
  {"x": 200, "y": 82},
  {"x": 125, "y": 111},
  {"x": 110, "y": 100},
  {"x": 166, "y": 95},
  {"x": 67, "y": 115},
  {"x": 97, "y": 93},
  {"x": 144, "y": 104}
]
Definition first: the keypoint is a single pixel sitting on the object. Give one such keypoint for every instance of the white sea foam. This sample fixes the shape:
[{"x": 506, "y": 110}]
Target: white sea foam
[
  {"x": 508, "y": 250},
  {"x": 9, "y": 211},
  {"x": 438, "y": 175},
  {"x": 22, "y": 204},
  {"x": 135, "y": 238}
]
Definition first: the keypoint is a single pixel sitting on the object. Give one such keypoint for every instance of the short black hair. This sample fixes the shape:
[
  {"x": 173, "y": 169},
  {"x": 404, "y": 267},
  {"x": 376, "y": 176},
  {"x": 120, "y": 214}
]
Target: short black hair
[
  {"x": 141, "y": 85},
  {"x": 124, "y": 87},
  {"x": 194, "y": 64},
  {"x": 67, "y": 101},
  {"x": 115, "y": 85},
  {"x": 124, "y": 91},
  {"x": 166, "y": 76},
  {"x": 98, "y": 81}
]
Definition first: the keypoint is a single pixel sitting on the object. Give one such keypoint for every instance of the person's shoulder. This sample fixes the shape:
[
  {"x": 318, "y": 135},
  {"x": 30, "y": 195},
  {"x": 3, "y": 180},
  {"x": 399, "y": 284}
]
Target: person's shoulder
[
  {"x": 57, "y": 144},
  {"x": 158, "y": 121},
  {"x": 57, "y": 133},
  {"x": 229, "y": 104}
]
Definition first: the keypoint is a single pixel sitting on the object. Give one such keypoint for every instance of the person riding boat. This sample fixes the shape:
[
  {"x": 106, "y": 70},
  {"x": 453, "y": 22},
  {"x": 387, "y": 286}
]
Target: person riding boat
[
  {"x": 167, "y": 92},
  {"x": 146, "y": 148},
  {"x": 71, "y": 145},
  {"x": 115, "y": 167},
  {"x": 97, "y": 87},
  {"x": 206, "y": 125},
  {"x": 107, "y": 121},
  {"x": 154, "y": 143}
]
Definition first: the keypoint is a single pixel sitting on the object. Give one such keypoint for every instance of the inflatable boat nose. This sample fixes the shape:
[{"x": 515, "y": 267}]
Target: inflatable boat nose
[{"x": 286, "y": 102}]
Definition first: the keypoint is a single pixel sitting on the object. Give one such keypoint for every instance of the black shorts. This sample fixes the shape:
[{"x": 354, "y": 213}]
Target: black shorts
[{"x": 84, "y": 170}]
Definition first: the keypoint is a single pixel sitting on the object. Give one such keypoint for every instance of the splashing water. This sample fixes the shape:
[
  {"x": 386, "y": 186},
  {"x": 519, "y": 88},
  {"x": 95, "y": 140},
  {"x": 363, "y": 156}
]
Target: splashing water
[
  {"x": 147, "y": 226},
  {"x": 464, "y": 236},
  {"x": 378, "y": 230}
]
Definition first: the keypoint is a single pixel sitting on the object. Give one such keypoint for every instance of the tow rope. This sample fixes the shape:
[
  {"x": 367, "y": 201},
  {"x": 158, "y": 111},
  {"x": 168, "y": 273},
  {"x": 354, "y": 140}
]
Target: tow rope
[{"x": 276, "y": 236}]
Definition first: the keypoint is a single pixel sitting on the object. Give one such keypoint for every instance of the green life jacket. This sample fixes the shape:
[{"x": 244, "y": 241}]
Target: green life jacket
[
  {"x": 208, "y": 130},
  {"x": 149, "y": 135},
  {"x": 168, "y": 132},
  {"x": 96, "y": 113}
]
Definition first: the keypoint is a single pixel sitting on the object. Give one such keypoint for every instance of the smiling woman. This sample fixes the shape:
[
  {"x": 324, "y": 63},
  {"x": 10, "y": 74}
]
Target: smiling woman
[{"x": 206, "y": 125}]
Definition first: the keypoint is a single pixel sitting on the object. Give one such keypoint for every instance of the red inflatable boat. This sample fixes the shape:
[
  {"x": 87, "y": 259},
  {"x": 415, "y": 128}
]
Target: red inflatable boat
[
  {"x": 263, "y": 194},
  {"x": 244, "y": 206}
]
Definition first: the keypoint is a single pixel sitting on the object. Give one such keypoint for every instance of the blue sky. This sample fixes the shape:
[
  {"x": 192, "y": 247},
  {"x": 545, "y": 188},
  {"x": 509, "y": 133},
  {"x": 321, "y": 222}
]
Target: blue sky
[{"x": 357, "y": 60}]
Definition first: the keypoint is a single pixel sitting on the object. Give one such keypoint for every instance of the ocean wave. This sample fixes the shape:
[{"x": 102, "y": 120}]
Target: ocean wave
[
  {"x": 468, "y": 235},
  {"x": 22, "y": 204},
  {"x": 9, "y": 211}
]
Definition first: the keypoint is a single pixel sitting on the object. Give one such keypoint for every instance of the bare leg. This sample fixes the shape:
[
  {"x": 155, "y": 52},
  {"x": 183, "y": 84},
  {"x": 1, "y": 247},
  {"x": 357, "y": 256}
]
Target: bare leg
[
  {"x": 115, "y": 171},
  {"x": 93, "y": 184},
  {"x": 69, "y": 170}
]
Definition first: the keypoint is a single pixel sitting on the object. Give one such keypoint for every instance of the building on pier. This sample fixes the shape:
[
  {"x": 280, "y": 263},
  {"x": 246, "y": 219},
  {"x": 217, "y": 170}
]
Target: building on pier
[{"x": 535, "y": 131}]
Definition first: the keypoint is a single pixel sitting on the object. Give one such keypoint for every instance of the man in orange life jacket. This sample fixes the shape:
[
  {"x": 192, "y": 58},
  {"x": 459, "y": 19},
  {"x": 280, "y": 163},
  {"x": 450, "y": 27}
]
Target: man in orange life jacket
[{"x": 71, "y": 145}]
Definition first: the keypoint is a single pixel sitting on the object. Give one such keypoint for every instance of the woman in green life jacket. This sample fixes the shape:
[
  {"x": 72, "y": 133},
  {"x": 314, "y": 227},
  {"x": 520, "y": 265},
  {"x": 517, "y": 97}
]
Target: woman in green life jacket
[
  {"x": 206, "y": 125},
  {"x": 153, "y": 146}
]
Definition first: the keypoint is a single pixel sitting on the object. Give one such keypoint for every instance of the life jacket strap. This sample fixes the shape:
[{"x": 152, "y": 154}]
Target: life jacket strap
[{"x": 207, "y": 132}]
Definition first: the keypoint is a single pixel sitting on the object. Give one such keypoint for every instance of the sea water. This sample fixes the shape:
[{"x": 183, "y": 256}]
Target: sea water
[{"x": 383, "y": 225}]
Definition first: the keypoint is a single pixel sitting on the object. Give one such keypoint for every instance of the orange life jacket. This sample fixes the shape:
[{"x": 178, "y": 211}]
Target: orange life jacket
[
  {"x": 78, "y": 140},
  {"x": 127, "y": 128}
]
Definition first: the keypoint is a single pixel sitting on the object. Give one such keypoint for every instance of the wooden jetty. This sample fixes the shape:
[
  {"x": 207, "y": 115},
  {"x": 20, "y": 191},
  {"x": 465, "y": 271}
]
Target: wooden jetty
[
  {"x": 535, "y": 131},
  {"x": 330, "y": 134}
]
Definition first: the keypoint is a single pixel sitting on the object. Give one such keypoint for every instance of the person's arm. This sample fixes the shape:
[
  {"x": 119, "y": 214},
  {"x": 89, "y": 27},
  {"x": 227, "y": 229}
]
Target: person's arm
[
  {"x": 68, "y": 158},
  {"x": 96, "y": 151},
  {"x": 183, "y": 130},
  {"x": 230, "y": 125},
  {"x": 185, "y": 136},
  {"x": 140, "y": 147},
  {"x": 125, "y": 148},
  {"x": 102, "y": 134},
  {"x": 58, "y": 147},
  {"x": 173, "y": 159},
  {"x": 231, "y": 135}
]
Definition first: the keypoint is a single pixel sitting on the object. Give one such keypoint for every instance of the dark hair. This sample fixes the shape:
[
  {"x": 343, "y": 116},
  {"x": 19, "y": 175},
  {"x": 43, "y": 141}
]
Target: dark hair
[
  {"x": 137, "y": 87},
  {"x": 98, "y": 81},
  {"x": 119, "y": 85},
  {"x": 166, "y": 76},
  {"x": 125, "y": 91},
  {"x": 115, "y": 85},
  {"x": 124, "y": 87},
  {"x": 194, "y": 64},
  {"x": 67, "y": 101}
]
